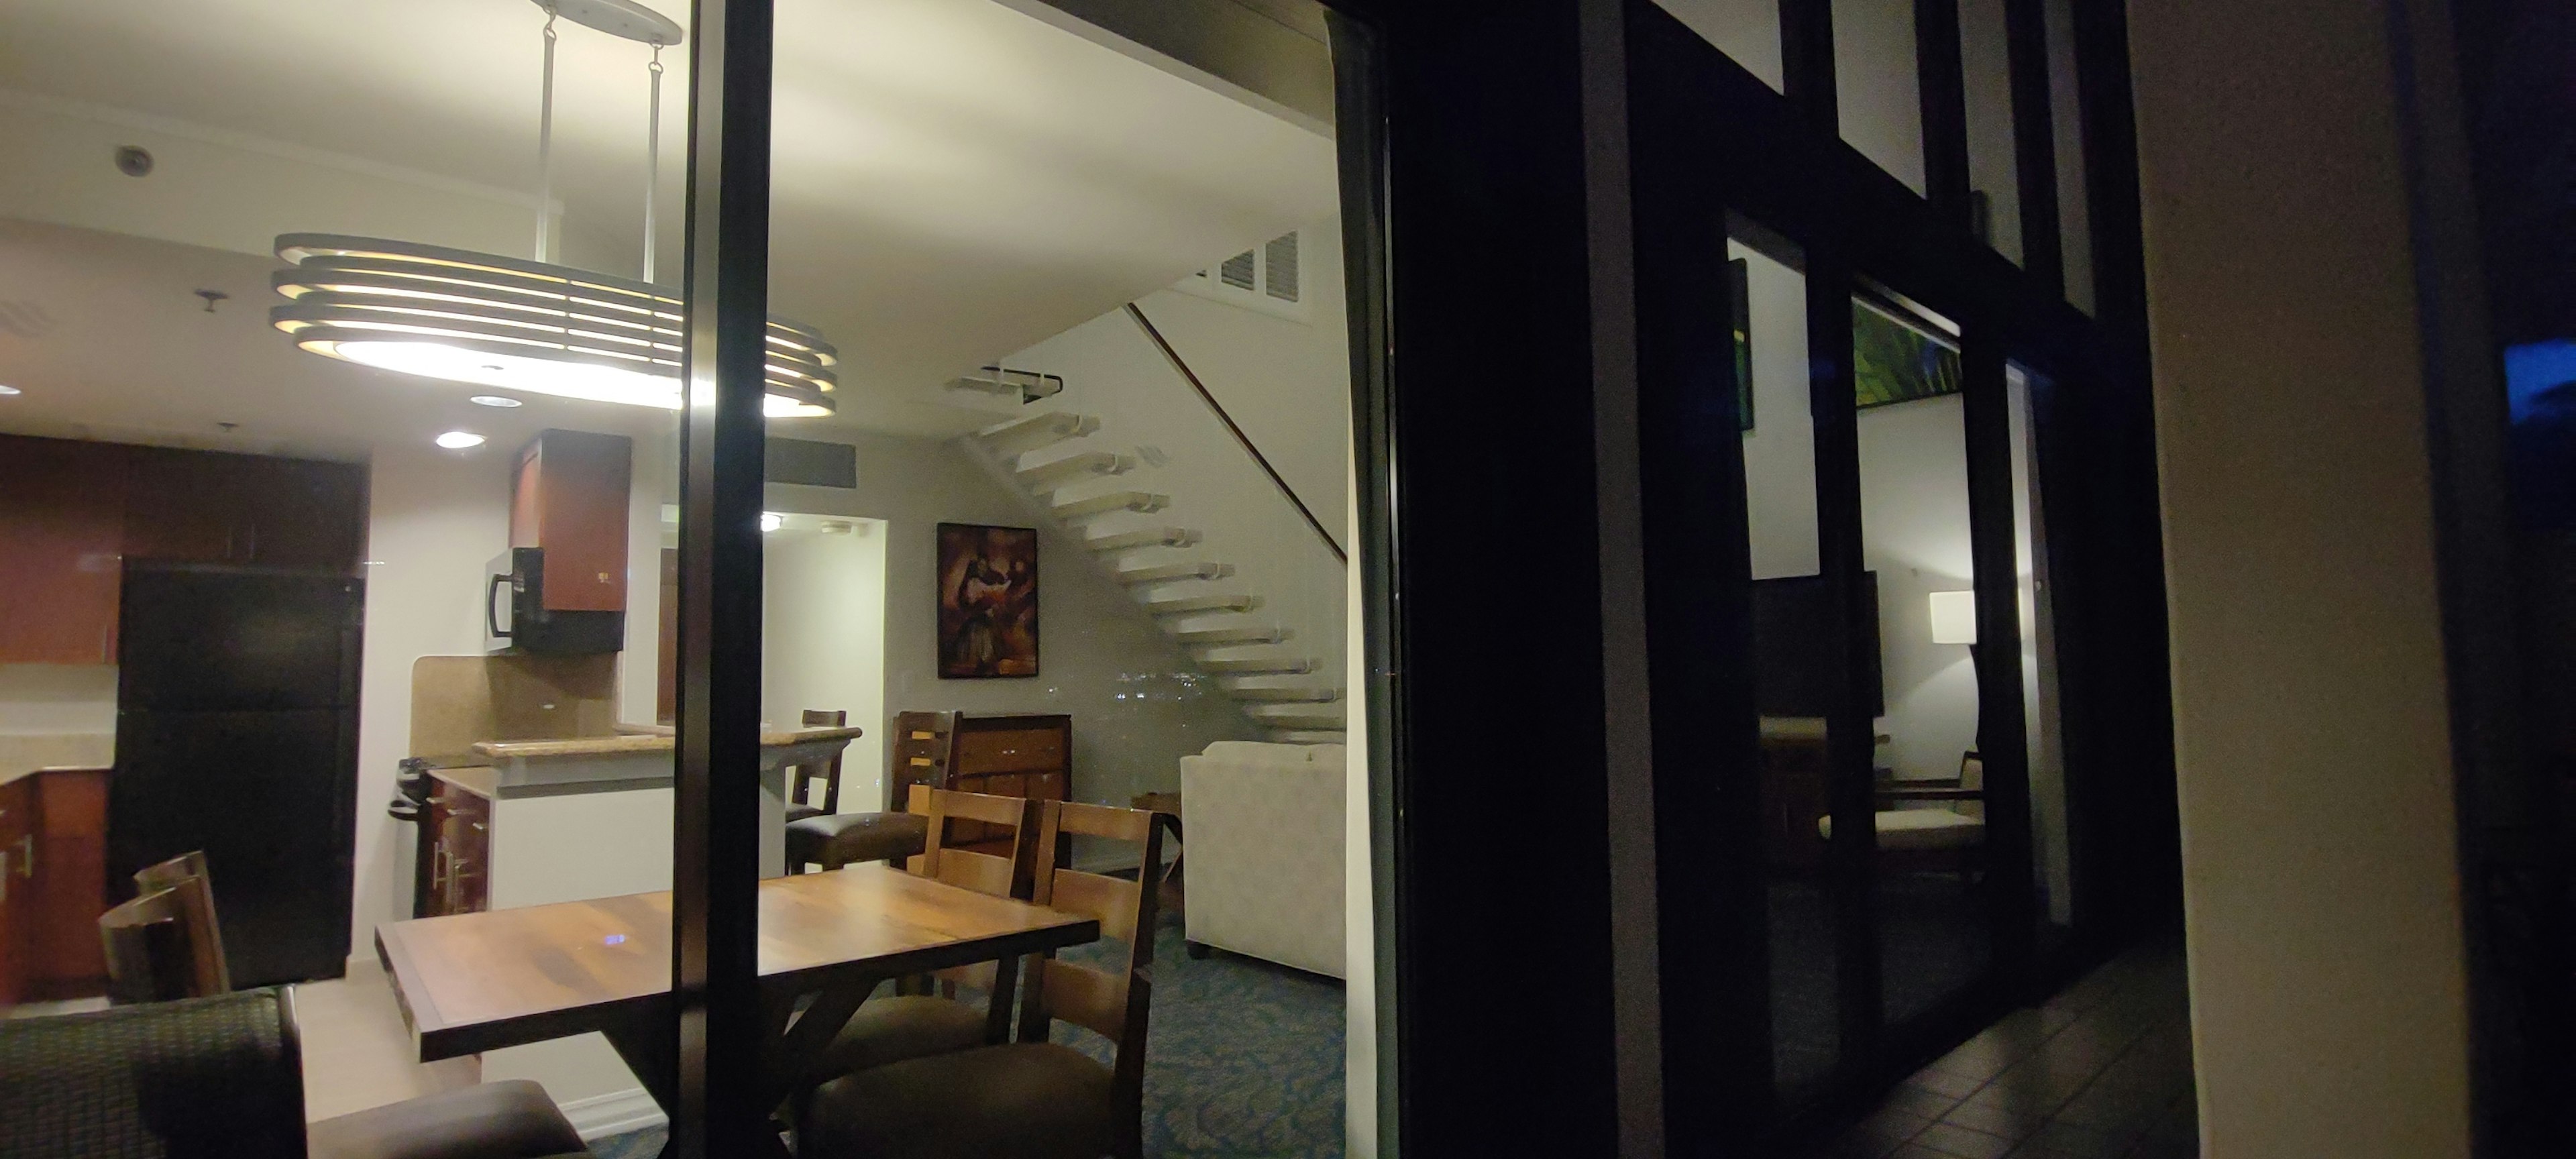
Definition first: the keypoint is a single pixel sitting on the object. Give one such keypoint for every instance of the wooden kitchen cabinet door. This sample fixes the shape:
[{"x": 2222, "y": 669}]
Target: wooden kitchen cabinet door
[
  {"x": 303, "y": 513},
  {"x": 570, "y": 498},
  {"x": 61, "y": 536},
  {"x": 17, "y": 838},
  {"x": 184, "y": 507},
  {"x": 69, "y": 885}
]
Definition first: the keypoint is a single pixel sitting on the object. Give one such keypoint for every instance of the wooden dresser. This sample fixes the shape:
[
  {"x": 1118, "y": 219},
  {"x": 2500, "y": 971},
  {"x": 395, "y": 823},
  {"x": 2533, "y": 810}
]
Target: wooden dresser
[{"x": 1018, "y": 755}]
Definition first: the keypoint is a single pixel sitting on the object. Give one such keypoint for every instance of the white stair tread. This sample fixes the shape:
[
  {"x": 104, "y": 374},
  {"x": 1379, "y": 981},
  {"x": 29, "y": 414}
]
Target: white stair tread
[
  {"x": 1171, "y": 572},
  {"x": 1298, "y": 715},
  {"x": 1310, "y": 736},
  {"x": 1112, "y": 501},
  {"x": 1055, "y": 473},
  {"x": 1259, "y": 666},
  {"x": 1286, "y": 695},
  {"x": 1150, "y": 537},
  {"x": 1191, "y": 605},
  {"x": 1022, "y": 435},
  {"x": 1266, "y": 634}
]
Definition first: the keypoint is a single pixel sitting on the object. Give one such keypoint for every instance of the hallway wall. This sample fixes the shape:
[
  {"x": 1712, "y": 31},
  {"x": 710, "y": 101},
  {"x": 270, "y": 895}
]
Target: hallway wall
[{"x": 2321, "y": 886}]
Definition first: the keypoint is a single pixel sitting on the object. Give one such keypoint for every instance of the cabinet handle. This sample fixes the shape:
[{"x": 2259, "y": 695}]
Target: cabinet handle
[
  {"x": 4, "y": 877},
  {"x": 27, "y": 857}
]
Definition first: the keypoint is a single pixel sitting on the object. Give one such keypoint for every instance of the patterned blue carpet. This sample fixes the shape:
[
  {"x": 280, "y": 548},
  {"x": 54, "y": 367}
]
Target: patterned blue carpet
[{"x": 1244, "y": 1059}]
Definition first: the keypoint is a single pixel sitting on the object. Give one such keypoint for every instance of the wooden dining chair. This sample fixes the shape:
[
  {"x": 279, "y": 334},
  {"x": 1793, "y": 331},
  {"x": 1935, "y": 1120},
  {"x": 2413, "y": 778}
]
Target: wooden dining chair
[
  {"x": 907, "y": 1025},
  {"x": 1030, "y": 1099},
  {"x": 833, "y": 839},
  {"x": 802, "y": 778},
  {"x": 149, "y": 957},
  {"x": 187, "y": 876}
]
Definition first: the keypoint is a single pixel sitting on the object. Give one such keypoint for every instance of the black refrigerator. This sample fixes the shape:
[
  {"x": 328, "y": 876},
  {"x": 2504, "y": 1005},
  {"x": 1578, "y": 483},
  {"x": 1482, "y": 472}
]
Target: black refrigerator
[{"x": 237, "y": 734}]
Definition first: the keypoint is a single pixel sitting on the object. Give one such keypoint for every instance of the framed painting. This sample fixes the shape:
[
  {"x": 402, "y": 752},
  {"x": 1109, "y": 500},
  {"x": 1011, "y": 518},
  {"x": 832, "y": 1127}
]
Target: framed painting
[
  {"x": 1894, "y": 361},
  {"x": 988, "y": 601}
]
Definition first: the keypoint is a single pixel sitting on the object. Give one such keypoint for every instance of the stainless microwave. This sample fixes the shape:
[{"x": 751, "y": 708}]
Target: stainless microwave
[{"x": 516, "y": 619}]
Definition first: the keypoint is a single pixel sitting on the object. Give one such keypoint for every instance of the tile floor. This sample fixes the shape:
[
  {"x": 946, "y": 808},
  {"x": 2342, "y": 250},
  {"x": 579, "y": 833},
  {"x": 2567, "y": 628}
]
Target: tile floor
[{"x": 2101, "y": 1071}]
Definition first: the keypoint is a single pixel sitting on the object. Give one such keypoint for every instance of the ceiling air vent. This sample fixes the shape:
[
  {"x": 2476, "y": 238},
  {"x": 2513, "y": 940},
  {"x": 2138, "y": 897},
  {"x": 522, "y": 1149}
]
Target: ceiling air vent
[{"x": 1268, "y": 279}]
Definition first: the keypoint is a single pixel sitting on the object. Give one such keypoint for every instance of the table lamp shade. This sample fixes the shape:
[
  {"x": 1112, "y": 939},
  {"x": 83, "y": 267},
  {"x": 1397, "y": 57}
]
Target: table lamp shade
[{"x": 1954, "y": 617}]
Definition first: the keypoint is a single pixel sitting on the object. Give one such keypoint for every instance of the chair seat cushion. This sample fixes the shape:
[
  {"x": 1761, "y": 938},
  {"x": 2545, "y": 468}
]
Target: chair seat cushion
[
  {"x": 503, "y": 1120},
  {"x": 1920, "y": 829},
  {"x": 899, "y": 1028},
  {"x": 838, "y": 839},
  {"x": 1024, "y": 1100}
]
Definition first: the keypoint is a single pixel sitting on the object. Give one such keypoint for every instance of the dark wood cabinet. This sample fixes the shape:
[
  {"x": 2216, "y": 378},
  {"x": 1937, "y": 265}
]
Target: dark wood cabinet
[
  {"x": 71, "y": 512},
  {"x": 53, "y": 885},
  {"x": 1007, "y": 756},
  {"x": 60, "y": 507},
  {"x": 206, "y": 507},
  {"x": 17, "y": 842},
  {"x": 569, "y": 496},
  {"x": 456, "y": 845}
]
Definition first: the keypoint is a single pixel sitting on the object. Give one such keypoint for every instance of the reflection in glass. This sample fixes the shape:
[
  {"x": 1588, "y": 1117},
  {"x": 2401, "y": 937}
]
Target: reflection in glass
[
  {"x": 1747, "y": 31},
  {"x": 1793, "y": 688},
  {"x": 2045, "y": 748},
  {"x": 1993, "y": 165},
  {"x": 2066, "y": 119},
  {"x": 1930, "y": 817},
  {"x": 1878, "y": 88}
]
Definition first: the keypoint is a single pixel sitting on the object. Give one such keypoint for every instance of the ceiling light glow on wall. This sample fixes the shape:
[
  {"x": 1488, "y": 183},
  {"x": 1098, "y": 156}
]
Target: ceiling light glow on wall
[
  {"x": 1954, "y": 617},
  {"x": 531, "y": 326},
  {"x": 494, "y": 400},
  {"x": 6, "y": 391},
  {"x": 771, "y": 521},
  {"x": 459, "y": 440}
]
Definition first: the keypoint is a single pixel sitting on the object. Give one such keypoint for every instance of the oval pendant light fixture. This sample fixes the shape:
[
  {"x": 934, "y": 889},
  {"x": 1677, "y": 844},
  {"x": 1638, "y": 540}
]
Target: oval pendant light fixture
[{"x": 527, "y": 325}]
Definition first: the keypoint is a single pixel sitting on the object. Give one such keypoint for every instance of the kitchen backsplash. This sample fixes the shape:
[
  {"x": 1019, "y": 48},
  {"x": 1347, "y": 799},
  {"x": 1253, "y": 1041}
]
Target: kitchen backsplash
[
  {"x": 57, "y": 699},
  {"x": 22, "y": 752}
]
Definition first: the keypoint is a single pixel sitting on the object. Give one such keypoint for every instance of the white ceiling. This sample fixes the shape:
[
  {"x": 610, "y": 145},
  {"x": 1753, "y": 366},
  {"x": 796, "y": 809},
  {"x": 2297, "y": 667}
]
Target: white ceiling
[{"x": 953, "y": 181}]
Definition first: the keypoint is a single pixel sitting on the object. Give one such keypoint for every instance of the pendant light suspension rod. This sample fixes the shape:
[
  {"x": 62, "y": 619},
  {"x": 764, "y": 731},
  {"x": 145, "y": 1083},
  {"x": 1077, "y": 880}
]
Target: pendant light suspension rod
[
  {"x": 546, "y": 147},
  {"x": 652, "y": 155}
]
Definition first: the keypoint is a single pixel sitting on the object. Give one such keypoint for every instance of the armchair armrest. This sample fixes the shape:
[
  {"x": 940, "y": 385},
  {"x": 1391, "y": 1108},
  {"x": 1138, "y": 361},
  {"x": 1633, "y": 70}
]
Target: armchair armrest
[{"x": 1930, "y": 792}]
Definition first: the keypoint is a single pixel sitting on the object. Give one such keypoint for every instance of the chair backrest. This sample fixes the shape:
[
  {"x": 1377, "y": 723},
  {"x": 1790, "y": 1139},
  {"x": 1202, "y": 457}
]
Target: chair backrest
[
  {"x": 1114, "y": 1002},
  {"x": 150, "y": 956},
  {"x": 985, "y": 873},
  {"x": 187, "y": 876},
  {"x": 924, "y": 744},
  {"x": 1972, "y": 776},
  {"x": 826, "y": 772}
]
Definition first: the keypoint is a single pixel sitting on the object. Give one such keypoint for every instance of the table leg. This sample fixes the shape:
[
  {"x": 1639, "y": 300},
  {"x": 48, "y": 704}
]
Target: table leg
[
  {"x": 650, "y": 1045},
  {"x": 801, "y": 1041}
]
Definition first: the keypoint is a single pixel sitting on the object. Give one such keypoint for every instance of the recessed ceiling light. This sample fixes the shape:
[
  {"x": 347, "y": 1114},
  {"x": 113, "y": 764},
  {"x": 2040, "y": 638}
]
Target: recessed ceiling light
[
  {"x": 6, "y": 391},
  {"x": 771, "y": 521},
  {"x": 460, "y": 440},
  {"x": 494, "y": 400}
]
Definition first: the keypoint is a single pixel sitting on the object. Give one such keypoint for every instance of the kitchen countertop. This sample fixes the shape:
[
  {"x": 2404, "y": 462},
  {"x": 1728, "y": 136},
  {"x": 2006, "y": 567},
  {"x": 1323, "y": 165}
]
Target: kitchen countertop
[{"x": 641, "y": 742}]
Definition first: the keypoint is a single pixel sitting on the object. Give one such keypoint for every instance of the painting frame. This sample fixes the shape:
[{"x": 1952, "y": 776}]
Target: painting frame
[{"x": 985, "y": 601}]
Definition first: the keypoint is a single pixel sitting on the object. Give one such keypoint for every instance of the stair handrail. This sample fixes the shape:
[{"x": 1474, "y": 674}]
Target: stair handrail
[{"x": 1174, "y": 357}]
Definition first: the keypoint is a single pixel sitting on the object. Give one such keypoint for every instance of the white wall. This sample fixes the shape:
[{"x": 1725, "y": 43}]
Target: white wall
[
  {"x": 823, "y": 640},
  {"x": 1780, "y": 450},
  {"x": 1136, "y": 703},
  {"x": 2321, "y": 887},
  {"x": 1747, "y": 31},
  {"x": 1914, "y": 534},
  {"x": 1877, "y": 93},
  {"x": 1985, "y": 67}
]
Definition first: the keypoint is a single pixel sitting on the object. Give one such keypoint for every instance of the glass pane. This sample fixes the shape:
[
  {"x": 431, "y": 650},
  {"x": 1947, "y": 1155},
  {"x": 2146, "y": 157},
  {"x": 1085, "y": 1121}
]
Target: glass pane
[
  {"x": 1747, "y": 31},
  {"x": 1878, "y": 85},
  {"x": 2066, "y": 115},
  {"x": 1792, "y": 692},
  {"x": 1915, "y": 545},
  {"x": 1993, "y": 167},
  {"x": 1070, "y": 532},
  {"x": 338, "y": 383},
  {"x": 2045, "y": 750}
]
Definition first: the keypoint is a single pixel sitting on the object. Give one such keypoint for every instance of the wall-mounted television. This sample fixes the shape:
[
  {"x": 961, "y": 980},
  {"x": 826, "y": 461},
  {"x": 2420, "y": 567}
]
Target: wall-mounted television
[{"x": 1793, "y": 667}]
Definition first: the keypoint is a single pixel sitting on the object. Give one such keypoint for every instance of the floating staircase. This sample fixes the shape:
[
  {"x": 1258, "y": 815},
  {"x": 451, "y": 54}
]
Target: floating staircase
[{"x": 1294, "y": 698}]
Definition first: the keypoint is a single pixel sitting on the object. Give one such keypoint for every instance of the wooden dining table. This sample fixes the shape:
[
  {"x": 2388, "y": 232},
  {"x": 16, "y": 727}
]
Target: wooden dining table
[{"x": 469, "y": 983}]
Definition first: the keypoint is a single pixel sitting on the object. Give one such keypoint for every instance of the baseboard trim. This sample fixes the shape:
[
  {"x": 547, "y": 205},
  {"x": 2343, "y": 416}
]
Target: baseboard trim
[{"x": 614, "y": 1113}]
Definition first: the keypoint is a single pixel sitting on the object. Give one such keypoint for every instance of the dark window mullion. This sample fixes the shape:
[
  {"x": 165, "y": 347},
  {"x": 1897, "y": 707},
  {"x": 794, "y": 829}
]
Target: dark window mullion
[
  {"x": 2001, "y": 715},
  {"x": 1943, "y": 88},
  {"x": 1850, "y": 732},
  {"x": 1807, "y": 62},
  {"x": 715, "y": 846}
]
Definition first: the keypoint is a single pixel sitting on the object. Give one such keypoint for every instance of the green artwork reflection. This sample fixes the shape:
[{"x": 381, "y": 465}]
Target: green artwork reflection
[{"x": 1893, "y": 362}]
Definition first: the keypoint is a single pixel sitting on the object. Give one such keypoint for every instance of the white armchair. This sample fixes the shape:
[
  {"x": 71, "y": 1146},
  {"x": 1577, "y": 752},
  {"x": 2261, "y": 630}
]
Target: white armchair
[{"x": 1264, "y": 842}]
